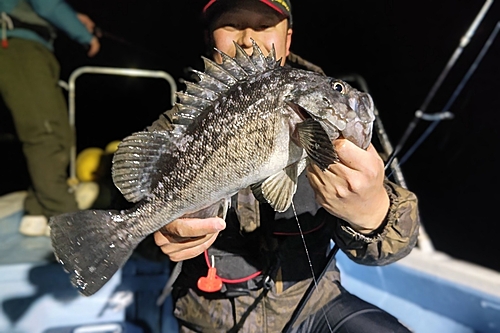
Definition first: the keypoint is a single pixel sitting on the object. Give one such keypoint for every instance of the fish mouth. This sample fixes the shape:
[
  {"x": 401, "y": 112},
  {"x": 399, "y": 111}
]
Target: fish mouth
[
  {"x": 360, "y": 131},
  {"x": 300, "y": 111},
  {"x": 304, "y": 115},
  {"x": 364, "y": 107}
]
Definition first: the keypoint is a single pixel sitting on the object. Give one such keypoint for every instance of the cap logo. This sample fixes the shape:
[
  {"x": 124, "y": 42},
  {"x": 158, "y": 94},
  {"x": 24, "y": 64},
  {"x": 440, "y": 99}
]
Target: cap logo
[{"x": 283, "y": 3}]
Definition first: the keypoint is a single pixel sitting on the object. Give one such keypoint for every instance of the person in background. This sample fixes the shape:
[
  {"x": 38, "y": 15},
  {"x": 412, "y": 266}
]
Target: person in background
[
  {"x": 29, "y": 75},
  {"x": 259, "y": 254}
]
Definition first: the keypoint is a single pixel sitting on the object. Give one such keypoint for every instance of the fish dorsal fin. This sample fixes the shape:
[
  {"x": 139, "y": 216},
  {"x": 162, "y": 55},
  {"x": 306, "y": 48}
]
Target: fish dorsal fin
[
  {"x": 184, "y": 115},
  {"x": 136, "y": 159},
  {"x": 217, "y": 71},
  {"x": 315, "y": 141},
  {"x": 232, "y": 66},
  {"x": 258, "y": 57},
  {"x": 192, "y": 100},
  {"x": 194, "y": 89},
  {"x": 244, "y": 60},
  {"x": 278, "y": 189},
  {"x": 271, "y": 59},
  {"x": 210, "y": 82},
  {"x": 217, "y": 79}
]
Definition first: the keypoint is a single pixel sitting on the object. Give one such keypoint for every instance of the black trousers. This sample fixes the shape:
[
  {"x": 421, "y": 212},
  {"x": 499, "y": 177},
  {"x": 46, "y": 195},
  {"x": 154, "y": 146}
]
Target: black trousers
[{"x": 348, "y": 313}]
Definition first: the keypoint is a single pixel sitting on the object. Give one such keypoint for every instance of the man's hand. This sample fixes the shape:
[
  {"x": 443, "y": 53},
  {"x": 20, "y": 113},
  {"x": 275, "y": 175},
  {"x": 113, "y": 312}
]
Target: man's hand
[
  {"x": 352, "y": 189},
  {"x": 87, "y": 22},
  {"x": 185, "y": 238},
  {"x": 94, "y": 45}
]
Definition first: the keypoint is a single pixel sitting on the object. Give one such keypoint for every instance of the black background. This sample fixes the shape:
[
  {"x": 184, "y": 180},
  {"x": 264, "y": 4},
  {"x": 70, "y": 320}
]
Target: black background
[{"x": 399, "y": 47}]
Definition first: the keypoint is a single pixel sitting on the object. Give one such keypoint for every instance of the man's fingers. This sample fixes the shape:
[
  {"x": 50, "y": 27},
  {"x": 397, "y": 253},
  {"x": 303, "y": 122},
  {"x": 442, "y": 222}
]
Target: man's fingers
[
  {"x": 94, "y": 47},
  {"x": 352, "y": 156},
  {"x": 193, "y": 228},
  {"x": 346, "y": 152},
  {"x": 186, "y": 238},
  {"x": 173, "y": 238},
  {"x": 186, "y": 249},
  {"x": 184, "y": 253},
  {"x": 176, "y": 242}
]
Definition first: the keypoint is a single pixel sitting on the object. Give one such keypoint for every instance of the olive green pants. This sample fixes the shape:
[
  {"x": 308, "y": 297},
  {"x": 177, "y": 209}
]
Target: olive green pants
[{"x": 29, "y": 75}]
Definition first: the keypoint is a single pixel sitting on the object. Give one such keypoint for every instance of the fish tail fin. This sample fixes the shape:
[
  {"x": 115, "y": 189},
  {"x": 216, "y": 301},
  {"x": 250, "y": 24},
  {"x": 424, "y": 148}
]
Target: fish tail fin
[{"x": 107, "y": 244}]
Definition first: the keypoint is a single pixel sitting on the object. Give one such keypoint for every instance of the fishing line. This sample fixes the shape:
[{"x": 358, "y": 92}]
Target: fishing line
[
  {"x": 101, "y": 33},
  {"x": 310, "y": 263}
]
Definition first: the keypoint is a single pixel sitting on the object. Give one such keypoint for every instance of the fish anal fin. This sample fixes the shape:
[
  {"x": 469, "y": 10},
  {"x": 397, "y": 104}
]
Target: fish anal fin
[{"x": 218, "y": 209}]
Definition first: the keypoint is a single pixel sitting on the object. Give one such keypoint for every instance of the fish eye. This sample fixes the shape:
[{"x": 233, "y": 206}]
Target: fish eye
[{"x": 339, "y": 86}]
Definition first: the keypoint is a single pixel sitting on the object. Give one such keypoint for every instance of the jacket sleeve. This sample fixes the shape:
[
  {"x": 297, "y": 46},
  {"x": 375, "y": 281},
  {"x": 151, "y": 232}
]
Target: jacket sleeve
[
  {"x": 62, "y": 16},
  {"x": 164, "y": 122},
  {"x": 396, "y": 237}
]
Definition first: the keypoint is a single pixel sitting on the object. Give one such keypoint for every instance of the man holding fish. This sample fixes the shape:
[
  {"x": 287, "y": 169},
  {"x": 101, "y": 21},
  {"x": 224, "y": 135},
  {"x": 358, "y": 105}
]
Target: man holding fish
[
  {"x": 261, "y": 262},
  {"x": 282, "y": 153}
]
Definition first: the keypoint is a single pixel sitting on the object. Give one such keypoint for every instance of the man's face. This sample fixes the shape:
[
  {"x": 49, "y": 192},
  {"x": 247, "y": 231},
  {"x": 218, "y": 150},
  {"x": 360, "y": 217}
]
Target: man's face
[{"x": 257, "y": 22}]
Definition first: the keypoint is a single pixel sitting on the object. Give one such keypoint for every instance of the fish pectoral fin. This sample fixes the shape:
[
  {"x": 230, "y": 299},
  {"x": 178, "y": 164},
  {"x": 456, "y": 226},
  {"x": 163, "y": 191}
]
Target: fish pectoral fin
[
  {"x": 136, "y": 160},
  {"x": 315, "y": 141},
  {"x": 218, "y": 209},
  {"x": 278, "y": 189}
]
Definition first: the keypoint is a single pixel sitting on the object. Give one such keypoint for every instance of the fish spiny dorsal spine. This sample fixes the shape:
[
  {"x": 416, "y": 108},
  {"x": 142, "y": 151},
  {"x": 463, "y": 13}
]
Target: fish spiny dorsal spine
[{"x": 217, "y": 79}]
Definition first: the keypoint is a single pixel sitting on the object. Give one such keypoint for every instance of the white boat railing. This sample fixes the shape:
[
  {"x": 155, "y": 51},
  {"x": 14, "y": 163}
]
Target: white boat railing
[{"x": 70, "y": 86}]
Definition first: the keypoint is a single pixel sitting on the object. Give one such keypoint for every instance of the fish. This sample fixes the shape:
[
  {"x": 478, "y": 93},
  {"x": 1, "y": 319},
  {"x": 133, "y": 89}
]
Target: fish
[{"x": 245, "y": 122}]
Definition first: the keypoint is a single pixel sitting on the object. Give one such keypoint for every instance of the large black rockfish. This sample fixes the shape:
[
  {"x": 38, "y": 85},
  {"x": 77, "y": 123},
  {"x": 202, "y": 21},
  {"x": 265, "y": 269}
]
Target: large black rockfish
[{"x": 246, "y": 122}]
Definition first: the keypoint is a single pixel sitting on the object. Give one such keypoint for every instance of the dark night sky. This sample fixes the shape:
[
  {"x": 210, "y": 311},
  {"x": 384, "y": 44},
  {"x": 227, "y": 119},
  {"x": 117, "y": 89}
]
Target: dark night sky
[{"x": 399, "y": 47}]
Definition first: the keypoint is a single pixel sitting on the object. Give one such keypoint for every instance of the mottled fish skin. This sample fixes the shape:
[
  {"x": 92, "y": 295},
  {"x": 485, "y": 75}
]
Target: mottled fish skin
[{"x": 247, "y": 122}]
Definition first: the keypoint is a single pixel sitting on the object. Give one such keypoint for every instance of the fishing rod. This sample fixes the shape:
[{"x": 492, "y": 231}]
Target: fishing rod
[
  {"x": 455, "y": 93},
  {"x": 445, "y": 114},
  {"x": 101, "y": 33}
]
